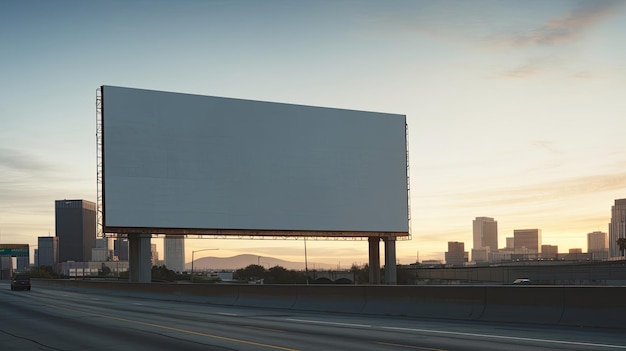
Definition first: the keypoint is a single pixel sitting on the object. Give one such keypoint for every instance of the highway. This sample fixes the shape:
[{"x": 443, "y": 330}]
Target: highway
[{"x": 51, "y": 319}]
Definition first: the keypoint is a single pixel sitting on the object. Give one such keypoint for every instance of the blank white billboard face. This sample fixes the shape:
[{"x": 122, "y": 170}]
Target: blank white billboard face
[{"x": 181, "y": 161}]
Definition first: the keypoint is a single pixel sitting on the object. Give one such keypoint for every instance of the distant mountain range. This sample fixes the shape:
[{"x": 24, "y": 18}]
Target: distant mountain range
[{"x": 242, "y": 261}]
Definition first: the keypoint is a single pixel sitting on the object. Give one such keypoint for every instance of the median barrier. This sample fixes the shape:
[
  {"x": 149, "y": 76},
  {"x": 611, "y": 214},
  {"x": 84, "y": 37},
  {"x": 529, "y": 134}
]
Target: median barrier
[
  {"x": 458, "y": 302},
  {"x": 331, "y": 298},
  {"x": 271, "y": 296},
  {"x": 523, "y": 304},
  {"x": 216, "y": 294},
  {"x": 584, "y": 306},
  {"x": 595, "y": 307}
]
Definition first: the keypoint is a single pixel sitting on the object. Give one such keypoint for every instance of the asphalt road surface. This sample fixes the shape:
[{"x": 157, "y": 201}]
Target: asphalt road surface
[{"x": 49, "y": 319}]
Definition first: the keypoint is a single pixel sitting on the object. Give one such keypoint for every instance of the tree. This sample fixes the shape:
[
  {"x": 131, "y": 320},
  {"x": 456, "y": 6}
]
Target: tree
[
  {"x": 162, "y": 273},
  {"x": 621, "y": 243},
  {"x": 361, "y": 274},
  {"x": 251, "y": 272},
  {"x": 274, "y": 275},
  {"x": 281, "y": 275},
  {"x": 45, "y": 272},
  {"x": 104, "y": 271}
]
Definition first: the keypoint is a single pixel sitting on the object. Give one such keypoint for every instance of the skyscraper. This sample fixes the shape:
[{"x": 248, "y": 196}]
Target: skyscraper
[
  {"x": 527, "y": 240},
  {"x": 174, "y": 246},
  {"x": 597, "y": 245},
  {"x": 47, "y": 251},
  {"x": 617, "y": 227},
  {"x": 75, "y": 226},
  {"x": 120, "y": 249},
  {"x": 485, "y": 233},
  {"x": 510, "y": 243}
]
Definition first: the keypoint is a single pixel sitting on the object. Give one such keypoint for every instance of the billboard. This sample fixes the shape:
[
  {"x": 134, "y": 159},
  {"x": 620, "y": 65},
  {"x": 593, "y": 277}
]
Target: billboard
[{"x": 182, "y": 163}]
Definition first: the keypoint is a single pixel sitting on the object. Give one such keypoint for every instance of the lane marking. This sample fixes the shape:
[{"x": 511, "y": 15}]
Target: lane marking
[
  {"x": 266, "y": 329},
  {"x": 191, "y": 332},
  {"x": 329, "y": 323},
  {"x": 487, "y": 336},
  {"x": 409, "y": 346},
  {"x": 227, "y": 314}
]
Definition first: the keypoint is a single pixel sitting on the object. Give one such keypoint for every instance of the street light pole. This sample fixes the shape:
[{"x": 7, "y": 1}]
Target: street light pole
[{"x": 192, "y": 259}]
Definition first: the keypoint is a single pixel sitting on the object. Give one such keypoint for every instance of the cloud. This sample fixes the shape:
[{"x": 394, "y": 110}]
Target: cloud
[
  {"x": 549, "y": 191},
  {"x": 531, "y": 67},
  {"x": 546, "y": 39},
  {"x": 22, "y": 162},
  {"x": 566, "y": 28},
  {"x": 547, "y": 145}
]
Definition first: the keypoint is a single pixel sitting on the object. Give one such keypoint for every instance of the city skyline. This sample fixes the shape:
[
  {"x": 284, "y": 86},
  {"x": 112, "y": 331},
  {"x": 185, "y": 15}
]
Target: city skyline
[{"x": 515, "y": 110}]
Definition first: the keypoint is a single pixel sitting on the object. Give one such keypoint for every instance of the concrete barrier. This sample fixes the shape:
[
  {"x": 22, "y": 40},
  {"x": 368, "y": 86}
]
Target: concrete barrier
[
  {"x": 595, "y": 306},
  {"x": 426, "y": 301},
  {"x": 586, "y": 306},
  {"x": 270, "y": 296},
  {"x": 331, "y": 298},
  {"x": 523, "y": 304}
]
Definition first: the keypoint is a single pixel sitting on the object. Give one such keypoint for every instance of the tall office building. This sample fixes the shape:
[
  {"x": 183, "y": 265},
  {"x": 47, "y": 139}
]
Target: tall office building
[
  {"x": 75, "y": 226},
  {"x": 120, "y": 249},
  {"x": 456, "y": 254},
  {"x": 598, "y": 245},
  {"x": 485, "y": 233},
  {"x": 510, "y": 243},
  {"x": 527, "y": 240},
  {"x": 174, "y": 246},
  {"x": 617, "y": 227},
  {"x": 47, "y": 251}
]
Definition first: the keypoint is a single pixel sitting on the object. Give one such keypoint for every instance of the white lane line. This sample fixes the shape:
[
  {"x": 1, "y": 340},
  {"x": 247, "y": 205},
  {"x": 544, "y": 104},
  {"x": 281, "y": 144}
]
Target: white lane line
[
  {"x": 577, "y": 343},
  {"x": 227, "y": 314},
  {"x": 138, "y": 304},
  {"x": 329, "y": 323}
]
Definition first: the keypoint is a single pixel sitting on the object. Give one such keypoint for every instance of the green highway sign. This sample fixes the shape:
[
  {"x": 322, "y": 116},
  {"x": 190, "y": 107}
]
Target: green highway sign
[{"x": 13, "y": 252}]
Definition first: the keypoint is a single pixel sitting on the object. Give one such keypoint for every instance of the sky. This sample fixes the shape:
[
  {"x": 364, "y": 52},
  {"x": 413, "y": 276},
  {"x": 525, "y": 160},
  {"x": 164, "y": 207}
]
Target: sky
[{"x": 515, "y": 109}]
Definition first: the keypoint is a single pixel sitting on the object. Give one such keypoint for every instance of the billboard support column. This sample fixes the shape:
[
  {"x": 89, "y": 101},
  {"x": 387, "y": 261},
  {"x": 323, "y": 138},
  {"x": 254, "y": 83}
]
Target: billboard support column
[
  {"x": 391, "y": 276},
  {"x": 374, "y": 259},
  {"x": 139, "y": 258}
]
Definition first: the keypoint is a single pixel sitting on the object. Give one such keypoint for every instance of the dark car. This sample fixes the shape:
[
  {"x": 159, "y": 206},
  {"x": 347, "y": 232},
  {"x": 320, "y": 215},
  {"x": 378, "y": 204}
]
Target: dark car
[{"x": 20, "y": 282}]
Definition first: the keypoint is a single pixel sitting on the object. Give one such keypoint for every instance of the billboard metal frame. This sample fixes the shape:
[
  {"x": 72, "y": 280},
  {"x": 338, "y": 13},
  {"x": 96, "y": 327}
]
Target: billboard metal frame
[{"x": 99, "y": 161}]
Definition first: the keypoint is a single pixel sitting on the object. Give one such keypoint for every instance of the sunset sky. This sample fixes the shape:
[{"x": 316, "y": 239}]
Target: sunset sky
[{"x": 516, "y": 109}]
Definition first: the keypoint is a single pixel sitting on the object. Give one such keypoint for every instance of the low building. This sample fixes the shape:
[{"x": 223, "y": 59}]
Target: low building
[
  {"x": 456, "y": 254},
  {"x": 549, "y": 252}
]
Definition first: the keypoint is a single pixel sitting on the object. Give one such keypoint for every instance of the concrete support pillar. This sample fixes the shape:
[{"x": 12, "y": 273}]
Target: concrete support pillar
[
  {"x": 139, "y": 258},
  {"x": 391, "y": 274},
  {"x": 374, "y": 258}
]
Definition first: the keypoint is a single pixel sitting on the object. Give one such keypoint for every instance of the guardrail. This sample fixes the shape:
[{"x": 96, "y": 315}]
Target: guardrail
[{"x": 585, "y": 306}]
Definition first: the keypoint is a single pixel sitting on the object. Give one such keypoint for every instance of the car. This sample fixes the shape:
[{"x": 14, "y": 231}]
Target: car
[
  {"x": 20, "y": 282},
  {"x": 521, "y": 281}
]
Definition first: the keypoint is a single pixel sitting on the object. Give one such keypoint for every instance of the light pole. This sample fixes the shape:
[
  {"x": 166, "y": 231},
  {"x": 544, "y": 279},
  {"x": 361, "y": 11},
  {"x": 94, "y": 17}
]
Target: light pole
[{"x": 193, "y": 252}]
